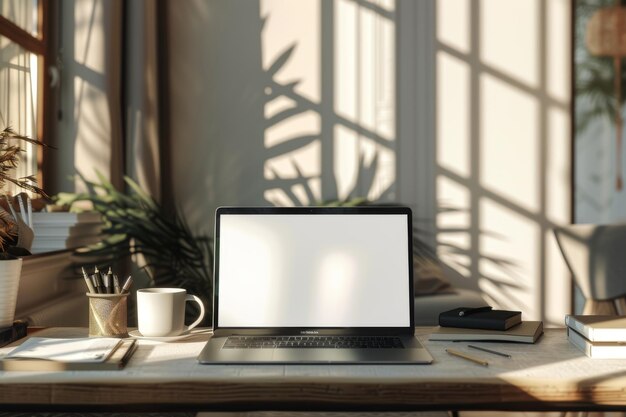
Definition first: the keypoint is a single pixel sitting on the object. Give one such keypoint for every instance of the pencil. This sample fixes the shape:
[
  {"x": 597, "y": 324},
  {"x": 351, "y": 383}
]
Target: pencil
[
  {"x": 495, "y": 352},
  {"x": 116, "y": 284},
  {"x": 127, "y": 284},
  {"x": 90, "y": 286},
  {"x": 466, "y": 356}
]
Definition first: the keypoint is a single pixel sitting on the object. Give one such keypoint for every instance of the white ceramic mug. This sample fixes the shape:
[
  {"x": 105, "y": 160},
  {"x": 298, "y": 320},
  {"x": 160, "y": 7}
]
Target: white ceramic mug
[{"x": 161, "y": 311}]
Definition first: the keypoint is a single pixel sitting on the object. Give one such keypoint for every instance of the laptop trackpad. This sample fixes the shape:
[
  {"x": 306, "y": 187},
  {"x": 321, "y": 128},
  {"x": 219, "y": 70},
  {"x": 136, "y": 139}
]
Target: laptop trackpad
[{"x": 313, "y": 355}]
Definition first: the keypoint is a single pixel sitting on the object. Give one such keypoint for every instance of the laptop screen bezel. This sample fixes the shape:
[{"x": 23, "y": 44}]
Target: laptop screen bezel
[{"x": 368, "y": 210}]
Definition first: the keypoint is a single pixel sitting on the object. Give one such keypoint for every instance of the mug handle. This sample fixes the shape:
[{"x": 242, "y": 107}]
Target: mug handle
[{"x": 199, "y": 319}]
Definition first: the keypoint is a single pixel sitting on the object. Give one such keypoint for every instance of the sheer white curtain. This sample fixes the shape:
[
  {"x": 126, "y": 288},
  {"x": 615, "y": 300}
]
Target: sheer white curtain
[{"x": 18, "y": 84}]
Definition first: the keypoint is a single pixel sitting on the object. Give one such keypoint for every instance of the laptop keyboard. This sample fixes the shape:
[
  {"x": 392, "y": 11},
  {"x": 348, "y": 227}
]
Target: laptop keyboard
[{"x": 330, "y": 342}]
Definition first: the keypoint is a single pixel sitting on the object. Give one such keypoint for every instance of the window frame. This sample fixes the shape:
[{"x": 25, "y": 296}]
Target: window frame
[{"x": 39, "y": 45}]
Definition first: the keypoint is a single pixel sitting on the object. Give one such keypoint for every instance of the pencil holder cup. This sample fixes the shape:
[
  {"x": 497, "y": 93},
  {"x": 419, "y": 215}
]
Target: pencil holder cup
[{"x": 108, "y": 315}]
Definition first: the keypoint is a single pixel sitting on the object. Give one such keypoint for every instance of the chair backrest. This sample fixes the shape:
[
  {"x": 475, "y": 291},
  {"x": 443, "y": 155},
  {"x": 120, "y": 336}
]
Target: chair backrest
[{"x": 596, "y": 256}]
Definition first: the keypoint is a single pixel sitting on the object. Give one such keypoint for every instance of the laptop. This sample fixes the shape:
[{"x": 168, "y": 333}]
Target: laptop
[{"x": 313, "y": 285}]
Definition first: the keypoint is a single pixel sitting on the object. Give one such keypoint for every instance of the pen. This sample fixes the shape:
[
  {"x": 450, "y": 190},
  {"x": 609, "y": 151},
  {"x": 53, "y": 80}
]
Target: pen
[
  {"x": 94, "y": 283},
  {"x": 116, "y": 284},
  {"x": 90, "y": 286},
  {"x": 106, "y": 279},
  {"x": 127, "y": 284},
  {"x": 468, "y": 311},
  {"x": 506, "y": 355},
  {"x": 111, "y": 278},
  {"x": 97, "y": 281},
  {"x": 466, "y": 356}
]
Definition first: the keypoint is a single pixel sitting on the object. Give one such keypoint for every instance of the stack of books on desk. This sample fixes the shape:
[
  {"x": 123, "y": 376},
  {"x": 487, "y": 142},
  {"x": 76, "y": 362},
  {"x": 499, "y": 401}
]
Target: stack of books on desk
[
  {"x": 60, "y": 231},
  {"x": 598, "y": 336},
  {"x": 486, "y": 324}
]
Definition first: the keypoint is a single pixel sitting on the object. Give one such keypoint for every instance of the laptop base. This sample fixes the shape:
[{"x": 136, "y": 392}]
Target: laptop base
[{"x": 413, "y": 353}]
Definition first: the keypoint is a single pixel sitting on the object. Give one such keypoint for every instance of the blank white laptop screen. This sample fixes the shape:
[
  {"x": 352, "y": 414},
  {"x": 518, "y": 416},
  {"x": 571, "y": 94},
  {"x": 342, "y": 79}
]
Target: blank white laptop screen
[{"x": 313, "y": 270}]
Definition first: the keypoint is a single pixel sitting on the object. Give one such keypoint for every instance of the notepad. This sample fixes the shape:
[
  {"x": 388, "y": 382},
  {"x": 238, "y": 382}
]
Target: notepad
[
  {"x": 73, "y": 361},
  {"x": 83, "y": 350},
  {"x": 526, "y": 332}
]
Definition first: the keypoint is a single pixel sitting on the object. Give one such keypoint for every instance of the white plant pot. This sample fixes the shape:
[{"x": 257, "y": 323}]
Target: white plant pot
[{"x": 10, "y": 271}]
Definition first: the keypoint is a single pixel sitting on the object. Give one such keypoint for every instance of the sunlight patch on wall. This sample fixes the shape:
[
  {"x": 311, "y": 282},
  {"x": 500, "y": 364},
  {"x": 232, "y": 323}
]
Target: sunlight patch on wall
[
  {"x": 504, "y": 176},
  {"x": 278, "y": 105},
  {"x": 92, "y": 149},
  {"x": 453, "y": 127},
  {"x": 509, "y": 260},
  {"x": 509, "y": 34},
  {"x": 347, "y": 56},
  {"x": 453, "y": 28},
  {"x": 365, "y": 95},
  {"x": 93, "y": 142},
  {"x": 303, "y": 162},
  {"x": 558, "y": 166},
  {"x": 558, "y": 50},
  {"x": 301, "y": 125},
  {"x": 509, "y": 142},
  {"x": 91, "y": 36},
  {"x": 352, "y": 128},
  {"x": 293, "y": 23},
  {"x": 346, "y": 160}
]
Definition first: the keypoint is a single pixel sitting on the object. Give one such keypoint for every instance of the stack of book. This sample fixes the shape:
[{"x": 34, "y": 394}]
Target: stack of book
[
  {"x": 486, "y": 324},
  {"x": 598, "y": 336},
  {"x": 61, "y": 231}
]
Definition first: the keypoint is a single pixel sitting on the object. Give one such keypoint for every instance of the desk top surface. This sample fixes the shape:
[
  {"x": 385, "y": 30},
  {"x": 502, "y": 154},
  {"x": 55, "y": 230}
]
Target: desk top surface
[
  {"x": 551, "y": 358},
  {"x": 552, "y": 370}
]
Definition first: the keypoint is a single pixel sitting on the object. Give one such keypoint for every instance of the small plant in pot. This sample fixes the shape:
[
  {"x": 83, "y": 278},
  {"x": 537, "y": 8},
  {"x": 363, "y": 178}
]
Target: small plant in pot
[{"x": 15, "y": 235}]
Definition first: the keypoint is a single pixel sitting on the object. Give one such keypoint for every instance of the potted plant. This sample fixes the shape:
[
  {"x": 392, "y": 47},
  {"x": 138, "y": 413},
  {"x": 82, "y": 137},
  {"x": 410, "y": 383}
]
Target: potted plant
[
  {"x": 161, "y": 242},
  {"x": 10, "y": 252}
]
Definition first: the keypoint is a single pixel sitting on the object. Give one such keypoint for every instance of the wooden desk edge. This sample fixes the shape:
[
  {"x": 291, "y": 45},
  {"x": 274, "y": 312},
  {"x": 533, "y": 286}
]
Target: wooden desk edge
[{"x": 307, "y": 396}]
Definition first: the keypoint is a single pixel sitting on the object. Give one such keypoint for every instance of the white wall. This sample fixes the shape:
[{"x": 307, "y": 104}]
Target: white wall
[
  {"x": 216, "y": 106},
  {"x": 503, "y": 146},
  {"x": 457, "y": 107},
  {"x": 278, "y": 102}
]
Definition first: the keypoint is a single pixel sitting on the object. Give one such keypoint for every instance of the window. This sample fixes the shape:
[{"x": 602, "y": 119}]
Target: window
[{"x": 24, "y": 82}]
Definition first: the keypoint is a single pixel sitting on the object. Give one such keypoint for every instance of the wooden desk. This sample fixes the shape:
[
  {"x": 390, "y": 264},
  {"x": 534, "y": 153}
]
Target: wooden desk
[{"x": 550, "y": 375}]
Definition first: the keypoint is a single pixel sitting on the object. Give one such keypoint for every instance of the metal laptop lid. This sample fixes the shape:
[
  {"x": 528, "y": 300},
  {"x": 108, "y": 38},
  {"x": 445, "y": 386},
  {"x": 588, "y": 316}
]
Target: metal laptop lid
[{"x": 320, "y": 270}]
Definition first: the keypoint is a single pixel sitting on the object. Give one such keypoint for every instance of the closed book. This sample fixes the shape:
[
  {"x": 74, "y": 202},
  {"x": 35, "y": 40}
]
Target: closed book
[
  {"x": 597, "y": 350},
  {"x": 525, "y": 332},
  {"x": 116, "y": 359},
  {"x": 65, "y": 231},
  {"x": 480, "y": 318},
  {"x": 69, "y": 242},
  {"x": 43, "y": 218},
  {"x": 13, "y": 333},
  {"x": 599, "y": 328}
]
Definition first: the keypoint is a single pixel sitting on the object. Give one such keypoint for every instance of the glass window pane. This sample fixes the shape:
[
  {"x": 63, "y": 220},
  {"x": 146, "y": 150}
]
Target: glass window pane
[
  {"x": 18, "y": 100},
  {"x": 21, "y": 12}
]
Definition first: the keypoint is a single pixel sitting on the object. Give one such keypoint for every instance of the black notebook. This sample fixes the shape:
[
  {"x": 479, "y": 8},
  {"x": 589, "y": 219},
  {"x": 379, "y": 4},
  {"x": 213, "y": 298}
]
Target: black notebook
[
  {"x": 13, "y": 333},
  {"x": 480, "y": 318}
]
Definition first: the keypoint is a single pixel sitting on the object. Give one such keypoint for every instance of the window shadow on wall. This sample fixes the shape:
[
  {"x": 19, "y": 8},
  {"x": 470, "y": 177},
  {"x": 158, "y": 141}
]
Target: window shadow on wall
[
  {"x": 329, "y": 131},
  {"x": 501, "y": 164}
]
